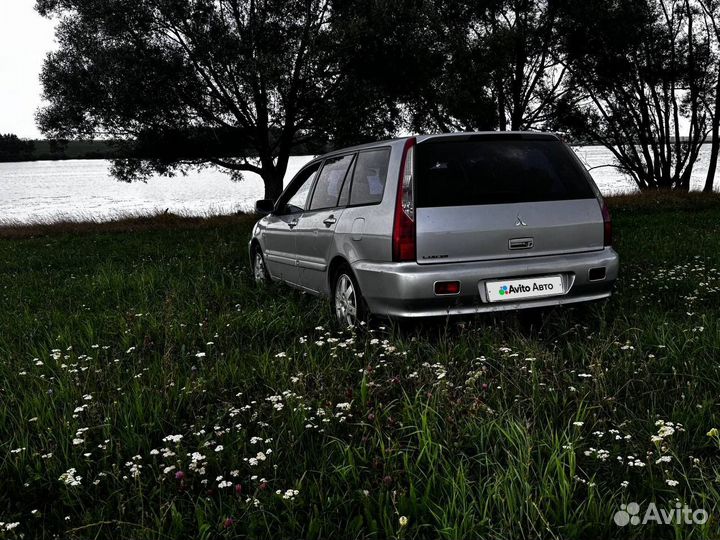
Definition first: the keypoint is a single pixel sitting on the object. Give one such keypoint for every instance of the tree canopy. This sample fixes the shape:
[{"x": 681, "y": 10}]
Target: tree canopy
[
  {"x": 255, "y": 72},
  {"x": 240, "y": 84}
]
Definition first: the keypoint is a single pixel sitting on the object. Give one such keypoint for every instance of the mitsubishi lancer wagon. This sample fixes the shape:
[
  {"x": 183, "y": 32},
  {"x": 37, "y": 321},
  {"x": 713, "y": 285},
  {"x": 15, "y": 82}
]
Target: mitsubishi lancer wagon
[{"x": 438, "y": 225}]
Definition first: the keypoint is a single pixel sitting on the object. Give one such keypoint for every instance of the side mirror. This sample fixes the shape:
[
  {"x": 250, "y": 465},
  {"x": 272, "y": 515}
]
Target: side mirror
[{"x": 264, "y": 207}]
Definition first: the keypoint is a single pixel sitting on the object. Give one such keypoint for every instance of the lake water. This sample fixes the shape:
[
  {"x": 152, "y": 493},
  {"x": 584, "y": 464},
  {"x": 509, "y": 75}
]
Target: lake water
[{"x": 42, "y": 191}]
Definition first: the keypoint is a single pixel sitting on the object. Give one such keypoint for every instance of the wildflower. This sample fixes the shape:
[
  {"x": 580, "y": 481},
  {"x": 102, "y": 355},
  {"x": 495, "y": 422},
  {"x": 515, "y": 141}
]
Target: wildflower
[
  {"x": 289, "y": 494},
  {"x": 70, "y": 478},
  {"x": 713, "y": 432},
  {"x": 228, "y": 523},
  {"x": 578, "y": 424},
  {"x": 671, "y": 483},
  {"x": 180, "y": 475},
  {"x": 403, "y": 521},
  {"x": 200, "y": 355}
]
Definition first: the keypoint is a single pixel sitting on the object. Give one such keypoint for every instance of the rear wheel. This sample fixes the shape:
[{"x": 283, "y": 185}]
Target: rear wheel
[{"x": 347, "y": 302}]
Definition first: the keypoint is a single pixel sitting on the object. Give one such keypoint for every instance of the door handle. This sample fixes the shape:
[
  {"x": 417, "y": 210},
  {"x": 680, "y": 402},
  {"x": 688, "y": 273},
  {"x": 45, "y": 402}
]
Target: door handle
[
  {"x": 293, "y": 223},
  {"x": 329, "y": 221}
]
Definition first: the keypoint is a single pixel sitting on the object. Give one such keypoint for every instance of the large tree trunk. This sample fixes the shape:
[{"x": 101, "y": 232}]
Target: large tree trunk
[
  {"x": 273, "y": 179},
  {"x": 500, "y": 91},
  {"x": 714, "y": 149},
  {"x": 715, "y": 145}
]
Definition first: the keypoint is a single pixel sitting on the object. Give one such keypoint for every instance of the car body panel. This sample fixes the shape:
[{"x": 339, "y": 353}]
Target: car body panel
[
  {"x": 314, "y": 237},
  {"x": 406, "y": 289},
  {"x": 476, "y": 233},
  {"x": 278, "y": 244}
]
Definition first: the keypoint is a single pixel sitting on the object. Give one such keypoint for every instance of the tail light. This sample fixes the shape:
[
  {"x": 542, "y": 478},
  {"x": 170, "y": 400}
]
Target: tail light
[
  {"x": 607, "y": 224},
  {"x": 403, "y": 247}
]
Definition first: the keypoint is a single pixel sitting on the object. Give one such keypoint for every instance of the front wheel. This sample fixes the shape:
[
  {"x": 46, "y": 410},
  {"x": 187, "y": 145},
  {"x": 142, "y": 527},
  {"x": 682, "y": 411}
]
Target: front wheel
[
  {"x": 347, "y": 301},
  {"x": 260, "y": 273}
]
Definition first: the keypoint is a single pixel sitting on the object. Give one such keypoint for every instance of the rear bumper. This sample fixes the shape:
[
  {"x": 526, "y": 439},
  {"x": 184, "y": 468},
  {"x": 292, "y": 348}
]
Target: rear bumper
[{"x": 407, "y": 289}]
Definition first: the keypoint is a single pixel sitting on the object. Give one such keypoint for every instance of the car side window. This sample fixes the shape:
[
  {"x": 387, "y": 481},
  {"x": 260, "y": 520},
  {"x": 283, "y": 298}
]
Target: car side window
[
  {"x": 369, "y": 177},
  {"x": 330, "y": 181},
  {"x": 297, "y": 201}
]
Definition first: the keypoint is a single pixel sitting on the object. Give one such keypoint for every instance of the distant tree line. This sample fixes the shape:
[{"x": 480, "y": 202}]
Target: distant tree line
[
  {"x": 242, "y": 84},
  {"x": 12, "y": 148}
]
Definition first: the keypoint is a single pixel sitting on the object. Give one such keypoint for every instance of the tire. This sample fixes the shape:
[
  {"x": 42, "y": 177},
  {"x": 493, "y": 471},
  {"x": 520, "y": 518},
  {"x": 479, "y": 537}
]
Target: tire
[
  {"x": 346, "y": 300},
  {"x": 259, "y": 269}
]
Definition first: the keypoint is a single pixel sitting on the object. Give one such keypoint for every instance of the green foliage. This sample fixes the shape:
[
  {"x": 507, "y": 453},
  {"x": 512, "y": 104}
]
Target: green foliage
[
  {"x": 150, "y": 70},
  {"x": 12, "y": 148},
  {"x": 642, "y": 76},
  {"x": 111, "y": 342}
]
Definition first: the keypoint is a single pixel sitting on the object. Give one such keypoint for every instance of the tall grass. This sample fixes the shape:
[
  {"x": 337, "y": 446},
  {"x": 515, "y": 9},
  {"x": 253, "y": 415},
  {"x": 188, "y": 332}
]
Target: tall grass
[{"x": 148, "y": 390}]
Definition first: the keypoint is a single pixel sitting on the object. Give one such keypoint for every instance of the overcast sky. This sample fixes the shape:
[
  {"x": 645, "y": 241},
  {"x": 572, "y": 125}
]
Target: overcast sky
[{"x": 25, "y": 39}]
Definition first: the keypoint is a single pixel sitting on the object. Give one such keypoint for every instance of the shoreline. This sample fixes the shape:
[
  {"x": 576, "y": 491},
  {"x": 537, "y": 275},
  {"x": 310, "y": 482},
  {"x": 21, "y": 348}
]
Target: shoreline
[{"x": 646, "y": 201}]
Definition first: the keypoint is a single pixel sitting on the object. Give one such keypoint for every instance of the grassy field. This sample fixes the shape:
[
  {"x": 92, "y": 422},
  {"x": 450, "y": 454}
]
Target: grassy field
[{"x": 148, "y": 390}]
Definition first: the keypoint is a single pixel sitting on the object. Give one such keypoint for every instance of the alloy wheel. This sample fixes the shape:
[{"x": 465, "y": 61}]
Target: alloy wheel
[{"x": 259, "y": 271}]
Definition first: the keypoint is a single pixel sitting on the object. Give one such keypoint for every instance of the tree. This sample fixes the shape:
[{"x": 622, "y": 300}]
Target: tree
[
  {"x": 12, "y": 148},
  {"x": 454, "y": 93},
  {"x": 527, "y": 72},
  {"x": 252, "y": 72},
  {"x": 711, "y": 10},
  {"x": 397, "y": 67},
  {"x": 639, "y": 73},
  {"x": 384, "y": 53},
  {"x": 500, "y": 66}
]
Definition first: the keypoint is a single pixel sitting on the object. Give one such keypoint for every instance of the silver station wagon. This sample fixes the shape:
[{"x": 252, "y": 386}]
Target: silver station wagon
[{"x": 437, "y": 225}]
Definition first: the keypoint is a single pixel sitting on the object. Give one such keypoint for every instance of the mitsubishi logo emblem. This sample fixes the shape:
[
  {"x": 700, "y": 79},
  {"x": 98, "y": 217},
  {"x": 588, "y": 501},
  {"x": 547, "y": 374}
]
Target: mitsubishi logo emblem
[{"x": 520, "y": 222}]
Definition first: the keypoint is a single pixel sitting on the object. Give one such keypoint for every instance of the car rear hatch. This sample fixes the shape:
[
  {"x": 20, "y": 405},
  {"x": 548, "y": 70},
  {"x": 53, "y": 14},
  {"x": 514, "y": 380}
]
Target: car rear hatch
[{"x": 482, "y": 197}]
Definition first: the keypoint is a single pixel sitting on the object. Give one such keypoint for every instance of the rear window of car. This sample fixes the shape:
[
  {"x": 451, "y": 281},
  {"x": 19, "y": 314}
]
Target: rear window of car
[
  {"x": 496, "y": 171},
  {"x": 369, "y": 177}
]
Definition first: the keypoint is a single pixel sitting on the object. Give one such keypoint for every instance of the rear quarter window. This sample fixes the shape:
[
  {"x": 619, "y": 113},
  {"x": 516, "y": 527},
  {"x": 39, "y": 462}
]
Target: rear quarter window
[
  {"x": 370, "y": 176},
  {"x": 469, "y": 173}
]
